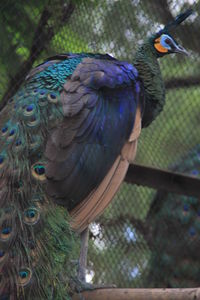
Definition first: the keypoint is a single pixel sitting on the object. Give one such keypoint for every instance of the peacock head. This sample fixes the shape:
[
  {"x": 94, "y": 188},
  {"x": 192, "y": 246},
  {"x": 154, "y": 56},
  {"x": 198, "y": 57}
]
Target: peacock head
[{"x": 164, "y": 43}]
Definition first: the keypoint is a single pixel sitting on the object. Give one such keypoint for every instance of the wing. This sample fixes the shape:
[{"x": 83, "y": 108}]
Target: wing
[
  {"x": 99, "y": 104},
  {"x": 93, "y": 205}
]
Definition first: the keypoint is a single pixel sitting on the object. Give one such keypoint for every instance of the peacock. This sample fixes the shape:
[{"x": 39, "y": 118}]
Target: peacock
[
  {"x": 67, "y": 138},
  {"x": 174, "y": 221}
]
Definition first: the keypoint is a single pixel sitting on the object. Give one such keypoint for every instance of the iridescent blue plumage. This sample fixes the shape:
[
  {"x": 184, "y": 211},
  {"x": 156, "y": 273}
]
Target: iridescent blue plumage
[{"x": 102, "y": 132}]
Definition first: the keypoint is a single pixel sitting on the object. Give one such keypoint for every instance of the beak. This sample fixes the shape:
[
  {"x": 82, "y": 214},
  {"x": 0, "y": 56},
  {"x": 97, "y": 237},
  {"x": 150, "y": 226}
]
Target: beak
[{"x": 181, "y": 50}]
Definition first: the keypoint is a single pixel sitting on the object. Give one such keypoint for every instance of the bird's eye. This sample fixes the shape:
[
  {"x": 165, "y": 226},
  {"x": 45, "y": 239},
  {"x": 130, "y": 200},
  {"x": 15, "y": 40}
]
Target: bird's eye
[{"x": 168, "y": 41}]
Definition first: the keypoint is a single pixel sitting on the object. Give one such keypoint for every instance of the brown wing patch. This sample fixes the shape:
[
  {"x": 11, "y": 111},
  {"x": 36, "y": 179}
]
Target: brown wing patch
[{"x": 93, "y": 206}]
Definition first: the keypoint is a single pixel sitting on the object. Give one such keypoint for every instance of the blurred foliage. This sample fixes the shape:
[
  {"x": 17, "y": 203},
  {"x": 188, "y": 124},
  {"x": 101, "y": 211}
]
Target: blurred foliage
[{"x": 119, "y": 247}]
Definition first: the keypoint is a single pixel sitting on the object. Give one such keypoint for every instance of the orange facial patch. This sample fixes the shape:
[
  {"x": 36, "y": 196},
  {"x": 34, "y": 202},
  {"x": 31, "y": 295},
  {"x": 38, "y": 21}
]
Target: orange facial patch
[{"x": 159, "y": 47}]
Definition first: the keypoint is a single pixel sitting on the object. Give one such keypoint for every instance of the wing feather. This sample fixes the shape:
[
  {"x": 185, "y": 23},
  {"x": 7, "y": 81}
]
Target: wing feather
[
  {"x": 99, "y": 104},
  {"x": 93, "y": 205}
]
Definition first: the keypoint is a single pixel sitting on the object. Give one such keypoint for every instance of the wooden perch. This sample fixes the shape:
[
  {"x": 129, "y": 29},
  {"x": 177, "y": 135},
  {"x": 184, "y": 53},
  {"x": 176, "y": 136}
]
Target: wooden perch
[
  {"x": 139, "y": 294},
  {"x": 163, "y": 180},
  {"x": 186, "y": 82}
]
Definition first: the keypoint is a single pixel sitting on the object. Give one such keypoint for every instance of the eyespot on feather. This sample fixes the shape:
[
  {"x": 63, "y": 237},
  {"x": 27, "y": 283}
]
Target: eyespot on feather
[
  {"x": 3, "y": 255},
  {"x": 5, "y": 233},
  {"x": 35, "y": 91},
  {"x": 2, "y": 161},
  {"x": 42, "y": 93},
  {"x": 34, "y": 121},
  {"x": 18, "y": 145},
  {"x": 12, "y": 134},
  {"x": 53, "y": 98},
  {"x": 31, "y": 216},
  {"x": 4, "y": 130},
  {"x": 29, "y": 110},
  {"x": 24, "y": 277},
  {"x": 38, "y": 171}
]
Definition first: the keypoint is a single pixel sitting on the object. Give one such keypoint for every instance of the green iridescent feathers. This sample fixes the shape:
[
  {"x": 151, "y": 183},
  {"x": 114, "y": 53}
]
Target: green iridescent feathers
[{"x": 35, "y": 237}]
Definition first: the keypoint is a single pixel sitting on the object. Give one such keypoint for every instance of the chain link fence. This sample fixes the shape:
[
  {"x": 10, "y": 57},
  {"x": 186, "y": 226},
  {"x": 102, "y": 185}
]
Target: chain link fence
[{"x": 145, "y": 238}]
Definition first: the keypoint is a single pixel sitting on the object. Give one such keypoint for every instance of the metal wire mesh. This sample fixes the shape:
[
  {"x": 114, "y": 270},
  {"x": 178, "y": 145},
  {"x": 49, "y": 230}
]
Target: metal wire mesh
[{"x": 139, "y": 240}]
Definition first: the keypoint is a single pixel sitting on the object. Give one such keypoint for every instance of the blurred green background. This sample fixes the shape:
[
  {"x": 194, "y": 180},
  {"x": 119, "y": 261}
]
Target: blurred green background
[{"x": 130, "y": 245}]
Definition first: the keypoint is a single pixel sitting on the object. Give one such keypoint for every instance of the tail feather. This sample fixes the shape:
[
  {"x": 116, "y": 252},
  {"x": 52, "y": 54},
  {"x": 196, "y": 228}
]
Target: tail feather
[{"x": 35, "y": 236}]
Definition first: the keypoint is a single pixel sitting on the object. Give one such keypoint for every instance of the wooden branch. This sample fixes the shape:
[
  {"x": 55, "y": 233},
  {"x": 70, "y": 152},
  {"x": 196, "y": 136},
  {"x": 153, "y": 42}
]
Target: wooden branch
[
  {"x": 163, "y": 180},
  {"x": 175, "y": 83},
  {"x": 140, "y": 294}
]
